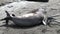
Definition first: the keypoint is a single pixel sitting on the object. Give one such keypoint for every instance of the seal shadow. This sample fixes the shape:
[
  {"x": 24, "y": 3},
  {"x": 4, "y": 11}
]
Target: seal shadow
[{"x": 20, "y": 27}]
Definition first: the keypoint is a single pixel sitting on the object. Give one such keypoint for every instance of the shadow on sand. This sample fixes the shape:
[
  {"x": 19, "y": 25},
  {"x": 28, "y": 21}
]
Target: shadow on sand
[{"x": 20, "y": 27}]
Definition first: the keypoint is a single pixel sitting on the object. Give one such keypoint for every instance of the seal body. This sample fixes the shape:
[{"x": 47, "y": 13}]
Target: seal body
[{"x": 30, "y": 19}]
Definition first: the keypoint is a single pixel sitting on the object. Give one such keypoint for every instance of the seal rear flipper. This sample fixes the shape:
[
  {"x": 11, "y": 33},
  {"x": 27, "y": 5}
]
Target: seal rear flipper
[{"x": 7, "y": 18}]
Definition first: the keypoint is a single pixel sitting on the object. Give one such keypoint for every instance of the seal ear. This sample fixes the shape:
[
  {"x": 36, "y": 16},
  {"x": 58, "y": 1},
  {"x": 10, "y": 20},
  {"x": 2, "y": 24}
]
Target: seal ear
[{"x": 13, "y": 15}]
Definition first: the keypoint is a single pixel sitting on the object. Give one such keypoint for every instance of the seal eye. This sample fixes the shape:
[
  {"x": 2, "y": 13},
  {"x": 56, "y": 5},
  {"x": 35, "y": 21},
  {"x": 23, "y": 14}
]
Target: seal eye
[{"x": 13, "y": 15}]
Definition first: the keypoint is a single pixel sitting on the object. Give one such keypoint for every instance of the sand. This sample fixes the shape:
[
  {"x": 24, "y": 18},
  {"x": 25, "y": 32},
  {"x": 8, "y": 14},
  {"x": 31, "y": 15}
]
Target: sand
[{"x": 20, "y": 8}]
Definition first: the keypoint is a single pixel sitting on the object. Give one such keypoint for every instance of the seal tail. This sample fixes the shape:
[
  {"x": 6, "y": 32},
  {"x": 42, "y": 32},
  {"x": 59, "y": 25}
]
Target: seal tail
[{"x": 7, "y": 18}]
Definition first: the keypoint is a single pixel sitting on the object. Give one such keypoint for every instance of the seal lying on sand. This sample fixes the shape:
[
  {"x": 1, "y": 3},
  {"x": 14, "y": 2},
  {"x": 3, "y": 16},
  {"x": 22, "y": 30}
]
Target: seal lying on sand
[
  {"x": 30, "y": 19},
  {"x": 27, "y": 19}
]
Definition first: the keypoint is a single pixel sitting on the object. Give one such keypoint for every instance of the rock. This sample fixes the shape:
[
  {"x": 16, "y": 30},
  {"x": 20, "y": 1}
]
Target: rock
[{"x": 39, "y": 0}]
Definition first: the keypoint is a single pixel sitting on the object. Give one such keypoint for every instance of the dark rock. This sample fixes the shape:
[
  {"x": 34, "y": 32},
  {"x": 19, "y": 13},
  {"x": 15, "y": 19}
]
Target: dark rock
[{"x": 39, "y": 0}]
